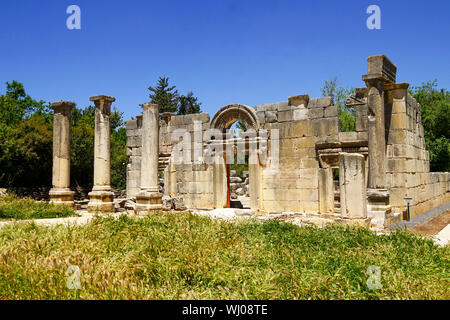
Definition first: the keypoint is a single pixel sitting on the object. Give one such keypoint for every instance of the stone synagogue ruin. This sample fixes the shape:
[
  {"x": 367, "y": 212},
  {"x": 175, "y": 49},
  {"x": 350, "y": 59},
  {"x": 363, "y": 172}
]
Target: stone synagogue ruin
[{"x": 299, "y": 161}]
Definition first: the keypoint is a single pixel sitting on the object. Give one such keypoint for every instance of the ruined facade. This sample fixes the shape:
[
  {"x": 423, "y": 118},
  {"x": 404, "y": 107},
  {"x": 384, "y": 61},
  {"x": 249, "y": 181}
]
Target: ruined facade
[{"x": 299, "y": 147}]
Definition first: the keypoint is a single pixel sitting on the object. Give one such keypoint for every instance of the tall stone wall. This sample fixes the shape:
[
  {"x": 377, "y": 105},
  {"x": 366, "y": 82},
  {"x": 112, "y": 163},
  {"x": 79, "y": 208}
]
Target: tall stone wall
[
  {"x": 187, "y": 180},
  {"x": 301, "y": 122},
  {"x": 306, "y": 135},
  {"x": 408, "y": 166}
]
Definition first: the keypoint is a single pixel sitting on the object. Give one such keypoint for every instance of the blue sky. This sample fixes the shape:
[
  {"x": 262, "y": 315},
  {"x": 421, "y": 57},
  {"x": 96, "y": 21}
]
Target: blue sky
[{"x": 225, "y": 51}]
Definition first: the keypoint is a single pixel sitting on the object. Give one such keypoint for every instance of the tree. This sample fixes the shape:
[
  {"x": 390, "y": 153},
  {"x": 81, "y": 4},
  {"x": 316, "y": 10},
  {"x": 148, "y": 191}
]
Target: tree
[
  {"x": 164, "y": 95},
  {"x": 435, "y": 109},
  {"x": 26, "y": 141},
  {"x": 339, "y": 94},
  {"x": 188, "y": 104}
]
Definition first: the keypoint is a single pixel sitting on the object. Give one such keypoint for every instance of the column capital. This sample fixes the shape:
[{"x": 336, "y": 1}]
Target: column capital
[
  {"x": 102, "y": 99},
  {"x": 62, "y": 106},
  {"x": 150, "y": 106}
]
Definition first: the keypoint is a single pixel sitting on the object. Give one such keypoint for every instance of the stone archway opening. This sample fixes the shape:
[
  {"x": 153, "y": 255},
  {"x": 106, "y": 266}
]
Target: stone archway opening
[{"x": 238, "y": 176}]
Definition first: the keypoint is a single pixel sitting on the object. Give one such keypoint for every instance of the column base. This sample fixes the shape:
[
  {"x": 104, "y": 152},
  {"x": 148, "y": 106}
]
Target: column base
[
  {"x": 378, "y": 207},
  {"x": 62, "y": 196},
  {"x": 101, "y": 202},
  {"x": 147, "y": 202}
]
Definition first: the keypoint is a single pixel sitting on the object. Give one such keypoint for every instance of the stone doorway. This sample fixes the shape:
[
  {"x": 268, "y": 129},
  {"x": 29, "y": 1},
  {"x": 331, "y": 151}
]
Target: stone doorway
[{"x": 239, "y": 149}]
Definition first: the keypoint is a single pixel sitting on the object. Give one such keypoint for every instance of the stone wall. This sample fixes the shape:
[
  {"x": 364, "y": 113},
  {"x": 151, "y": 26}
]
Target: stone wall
[
  {"x": 306, "y": 135},
  {"x": 408, "y": 166},
  {"x": 302, "y": 122}
]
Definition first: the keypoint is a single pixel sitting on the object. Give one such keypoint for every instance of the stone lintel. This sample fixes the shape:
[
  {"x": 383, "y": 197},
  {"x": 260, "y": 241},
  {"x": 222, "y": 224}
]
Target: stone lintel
[
  {"x": 368, "y": 78},
  {"x": 298, "y": 100},
  {"x": 394, "y": 86},
  {"x": 377, "y": 195}
]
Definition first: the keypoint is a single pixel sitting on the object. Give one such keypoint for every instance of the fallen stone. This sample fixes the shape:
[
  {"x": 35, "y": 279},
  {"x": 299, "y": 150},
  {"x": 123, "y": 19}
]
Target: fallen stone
[
  {"x": 167, "y": 203},
  {"x": 235, "y": 180},
  {"x": 130, "y": 204},
  {"x": 178, "y": 204}
]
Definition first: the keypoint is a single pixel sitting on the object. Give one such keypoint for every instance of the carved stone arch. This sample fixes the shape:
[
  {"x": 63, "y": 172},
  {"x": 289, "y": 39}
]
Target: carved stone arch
[{"x": 227, "y": 115}]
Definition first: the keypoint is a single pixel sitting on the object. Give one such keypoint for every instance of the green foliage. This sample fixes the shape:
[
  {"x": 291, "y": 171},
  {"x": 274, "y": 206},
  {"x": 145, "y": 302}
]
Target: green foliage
[
  {"x": 164, "y": 95},
  {"x": 26, "y": 142},
  {"x": 188, "y": 104},
  {"x": 339, "y": 94},
  {"x": 240, "y": 125},
  {"x": 435, "y": 108},
  {"x": 119, "y": 159},
  {"x": 183, "y": 256},
  {"x": 82, "y": 148},
  {"x": 11, "y": 207},
  {"x": 170, "y": 100}
]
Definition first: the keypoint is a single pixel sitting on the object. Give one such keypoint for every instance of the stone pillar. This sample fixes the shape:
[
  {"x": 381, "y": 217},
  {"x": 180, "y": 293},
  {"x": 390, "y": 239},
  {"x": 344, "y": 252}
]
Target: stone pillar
[
  {"x": 380, "y": 70},
  {"x": 352, "y": 185},
  {"x": 149, "y": 198},
  {"x": 101, "y": 197},
  {"x": 60, "y": 193},
  {"x": 326, "y": 190},
  {"x": 377, "y": 135}
]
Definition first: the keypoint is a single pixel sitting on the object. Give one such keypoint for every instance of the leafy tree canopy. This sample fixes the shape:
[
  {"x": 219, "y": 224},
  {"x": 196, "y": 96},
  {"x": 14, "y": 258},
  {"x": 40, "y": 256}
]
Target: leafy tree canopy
[
  {"x": 170, "y": 100},
  {"x": 26, "y": 142},
  {"x": 347, "y": 118},
  {"x": 435, "y": 109}
]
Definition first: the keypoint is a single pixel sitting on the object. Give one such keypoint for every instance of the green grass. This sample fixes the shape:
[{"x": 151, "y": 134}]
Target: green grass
[
  {"x": 12, "y": 207},
  {"x": 183, "y": 256}
]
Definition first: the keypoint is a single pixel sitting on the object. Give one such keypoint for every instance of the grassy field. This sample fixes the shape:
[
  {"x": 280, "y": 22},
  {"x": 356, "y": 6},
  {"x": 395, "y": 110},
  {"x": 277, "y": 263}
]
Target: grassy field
[
  {"x": 12, "y": 207},
  {"x": 183, "y": 256}
]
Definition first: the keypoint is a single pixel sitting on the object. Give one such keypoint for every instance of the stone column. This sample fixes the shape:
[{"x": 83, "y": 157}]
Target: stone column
[
  {"x": 60, "y": 193},
  {"x": 101, "y": 197},
  {"x": 380, "y": 70},
  {"x": 377, "y": 134},
  {"x": 352, "y": 185},
  {"x": 149, "y": 197},
  {"x": 326, "y": 190}
]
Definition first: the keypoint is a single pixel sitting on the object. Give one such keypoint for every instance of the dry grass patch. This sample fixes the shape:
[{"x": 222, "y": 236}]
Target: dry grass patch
[{"x": 183, "y": 256}]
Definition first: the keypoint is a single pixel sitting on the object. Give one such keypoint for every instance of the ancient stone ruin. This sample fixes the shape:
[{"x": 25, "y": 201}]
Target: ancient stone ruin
[{"x": 298, "y": 159}]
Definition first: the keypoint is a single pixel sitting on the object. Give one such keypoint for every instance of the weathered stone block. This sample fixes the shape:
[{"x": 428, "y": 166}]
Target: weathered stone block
[
  {"x": 324, "y": 127},
  {"x": 131, "y": 124},
  {"x": 320, "y": 102},
  {"x": 331, "y": 111},
  {"x": 271, "y": 116},
  {"x": 352, "y": 185},
  {"x": 315, "y": 113},
  {"x": 299, "y": 113},
  {"x": 348, "y": 136},
  {"x": 299, "y": 100},
  {"x": 284, "y": 116}
]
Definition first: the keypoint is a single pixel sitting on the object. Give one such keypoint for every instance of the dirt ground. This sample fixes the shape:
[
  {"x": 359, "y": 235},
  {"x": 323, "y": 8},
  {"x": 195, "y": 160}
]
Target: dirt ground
[{"x": 433, "y": 226}]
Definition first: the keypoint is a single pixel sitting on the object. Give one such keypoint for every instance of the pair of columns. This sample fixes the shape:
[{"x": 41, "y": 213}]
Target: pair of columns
[{"x": 101, "y": 197}]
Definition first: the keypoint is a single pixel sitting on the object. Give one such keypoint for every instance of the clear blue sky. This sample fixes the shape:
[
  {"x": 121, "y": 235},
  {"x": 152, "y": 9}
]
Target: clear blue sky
[{"x": 225, "y": 51}]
